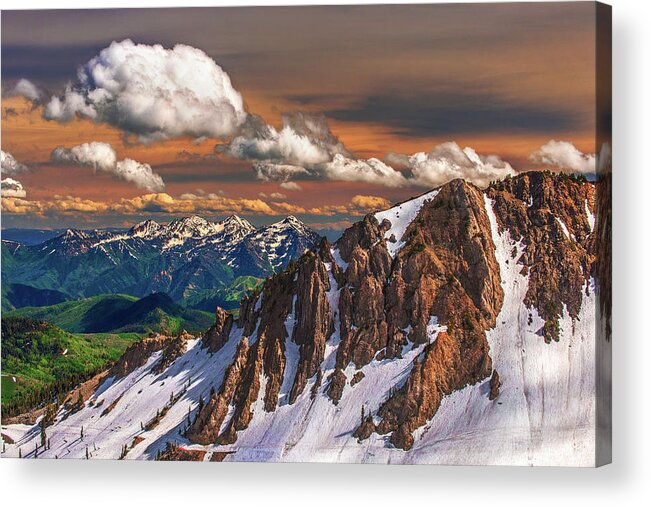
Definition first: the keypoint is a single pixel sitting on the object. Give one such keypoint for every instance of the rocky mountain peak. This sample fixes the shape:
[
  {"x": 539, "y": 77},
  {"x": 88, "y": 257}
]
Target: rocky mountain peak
[
  {"x": 234, "y": 222},
  {"x": 145, "y": 229}
]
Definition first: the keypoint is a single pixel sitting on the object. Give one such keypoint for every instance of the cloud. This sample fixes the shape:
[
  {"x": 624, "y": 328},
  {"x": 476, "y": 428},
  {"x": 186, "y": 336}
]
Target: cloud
[
  {"x": 604, "y": 159},
  {"x": 12, "y": 188},
  {"x": 564, "y": 156},
  {"x": 9, "y": 165},
  {"x": 269, "y": 171},
  {"x": 290, "y": 185},
  {"x": 102, "y": 156},
  {"x": 305, "y": 148},
  {"x": 9, "y": 112},
  {"x": 448, "y": 161},
  {"x": 359, "y": 205},
  {"x": 188, "y": 203},
  {"x": 27, "y": 89},
  {"x": 277, "y": 196},
  {"x": 141, "y": 175},
  {"x": 371, "y": 170},
  {"x": 153, "y": 93},
  {"x": 370, "y": 203},
  {"x": 95, "y": 154},
  {"x": 303, "y": 141}
]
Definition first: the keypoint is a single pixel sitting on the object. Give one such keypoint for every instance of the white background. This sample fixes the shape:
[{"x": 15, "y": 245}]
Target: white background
[{"x": 625, "y": 482}]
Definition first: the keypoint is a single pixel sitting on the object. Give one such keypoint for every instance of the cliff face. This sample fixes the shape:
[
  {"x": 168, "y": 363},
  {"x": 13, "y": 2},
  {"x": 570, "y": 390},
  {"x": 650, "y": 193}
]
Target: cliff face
[{"x": 552, "y": 215}]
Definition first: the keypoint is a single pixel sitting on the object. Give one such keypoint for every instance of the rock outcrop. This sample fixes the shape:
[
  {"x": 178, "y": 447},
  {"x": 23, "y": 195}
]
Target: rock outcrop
[
  {"x": 137, "y": 355},
  {"x": 549, "y": 214},
  {"x": 494, "y": 385},
  {"x": 217, "y": 336}
]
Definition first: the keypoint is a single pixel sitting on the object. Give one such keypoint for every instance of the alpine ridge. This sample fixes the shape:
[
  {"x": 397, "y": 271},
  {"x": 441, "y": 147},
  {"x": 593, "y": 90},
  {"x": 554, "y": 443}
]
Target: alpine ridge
[
  {"x": 456, "y": 327},
  {"x": 195, "y": 261}
]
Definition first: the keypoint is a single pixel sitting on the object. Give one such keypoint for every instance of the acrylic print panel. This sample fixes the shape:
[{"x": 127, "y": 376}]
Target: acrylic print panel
[{"x": 357, "y": 234}]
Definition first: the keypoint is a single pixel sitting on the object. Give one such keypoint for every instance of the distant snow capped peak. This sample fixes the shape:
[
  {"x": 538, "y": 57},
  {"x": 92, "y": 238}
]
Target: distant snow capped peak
[
  {"x": 192, "y": 227},
  {"x": 74, "y": 234},
  {"x": 283, "y": 240},
  {"x": 236, "y": 222},
  {"x": 293, "y": 222},
  {"x": 145, "y": 229}
]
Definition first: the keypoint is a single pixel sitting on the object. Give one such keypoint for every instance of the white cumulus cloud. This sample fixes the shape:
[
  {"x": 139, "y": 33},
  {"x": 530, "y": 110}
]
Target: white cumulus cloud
[
  {"x": 448, "y": 161},
  {"x": 305, "y": 148},
  {"x": 27, "y": 89},
  {"x": 153, "y": 92},
  {"x": 98, "y": 155},
  {"x": 370, "y": 170},
  {"x": 564, "y": 156},
  {"x": 102, "y": 157},
  {"x": 303, "y": 141},
  {"x": 291, "y": 185},
  {"x": 12, "y": 188},
  {"x": 9, "y": 165},
  {"x": 141, "y": 175}
]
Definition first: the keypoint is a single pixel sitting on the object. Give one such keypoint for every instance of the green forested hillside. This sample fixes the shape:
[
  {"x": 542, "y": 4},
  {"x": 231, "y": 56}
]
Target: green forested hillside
[
  {"x": 120, "y": 313},
  {"x": 40, "y": 359}
]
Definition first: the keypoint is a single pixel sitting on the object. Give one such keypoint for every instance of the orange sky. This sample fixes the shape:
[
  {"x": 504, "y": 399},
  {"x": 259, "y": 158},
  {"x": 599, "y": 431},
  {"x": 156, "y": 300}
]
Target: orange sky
[{"x": 502, "y": 79}]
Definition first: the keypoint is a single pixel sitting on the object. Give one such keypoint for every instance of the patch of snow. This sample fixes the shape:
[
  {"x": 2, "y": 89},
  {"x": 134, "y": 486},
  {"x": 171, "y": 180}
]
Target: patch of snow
[
  {"x": 590, "y": 216},
  {"x": 400, "y": 217},
  {"x": 564, "y": 228},
  {"x": 336, "y": 254}
]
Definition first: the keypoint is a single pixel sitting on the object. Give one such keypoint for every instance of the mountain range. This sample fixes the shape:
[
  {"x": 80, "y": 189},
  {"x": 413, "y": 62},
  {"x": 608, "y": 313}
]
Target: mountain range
[
  {"x": 457, "y": 327},
  {"x": 193, "y": 260}
]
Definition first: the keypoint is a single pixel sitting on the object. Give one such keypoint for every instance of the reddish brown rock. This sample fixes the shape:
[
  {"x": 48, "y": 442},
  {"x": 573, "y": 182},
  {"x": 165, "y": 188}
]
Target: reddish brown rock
[
  {"x": 217, "y": 336},
  {"x": 172, "y": 351},
  {"x": 532, "y": 207},
  {"x": 442, "y": 371},
  {"x": 208, "y": 421},
  {"x": 137, "y": 355},
  {"x": 357, "y": 377},
  {"x": 365, "y": 429},
  {"x": 495, "y": 385},
  {"x": 314, "y": 323},
  {"x": 336, "y": 384}
]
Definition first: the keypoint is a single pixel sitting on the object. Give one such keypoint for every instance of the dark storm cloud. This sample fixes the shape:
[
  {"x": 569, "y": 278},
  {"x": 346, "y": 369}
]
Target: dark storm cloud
[{"x": 436, "y": 114}]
